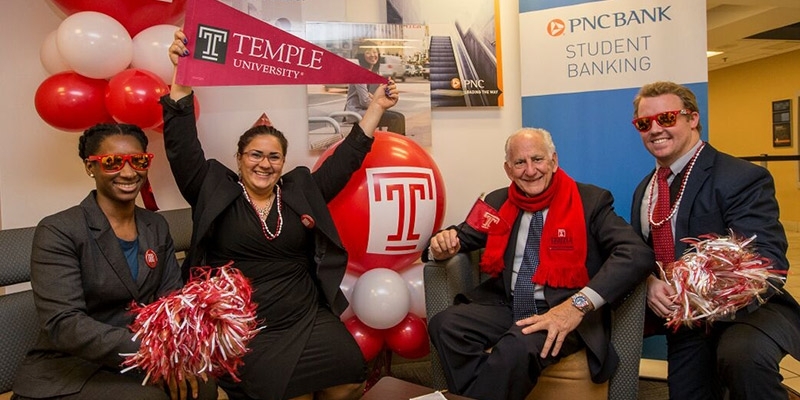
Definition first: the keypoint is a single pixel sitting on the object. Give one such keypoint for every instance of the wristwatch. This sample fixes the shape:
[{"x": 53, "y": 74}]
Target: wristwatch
[
  {"x": 430, "y": 254},
  {"x": 582, "y": 303}
]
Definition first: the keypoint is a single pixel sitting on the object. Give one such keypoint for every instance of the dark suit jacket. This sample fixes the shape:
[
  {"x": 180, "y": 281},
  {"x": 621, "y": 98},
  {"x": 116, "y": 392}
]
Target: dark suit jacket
[
  {"x": 617, "y": 260},
  {"x": 82, "y": 287},
  {"x": 210, "y": 187},
  {"x": 724, "y": 192}
]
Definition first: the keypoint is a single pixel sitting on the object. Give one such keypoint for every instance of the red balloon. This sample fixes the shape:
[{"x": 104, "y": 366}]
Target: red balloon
[
  {"x": 370, "y": 340},
  {"x": 134, "y": 15},
  {"x": 72, "y": 102},
  {"x": 132, "y": 97},
  {"x": 392, "y": 205},
  {"x": 409, "y": 338}
]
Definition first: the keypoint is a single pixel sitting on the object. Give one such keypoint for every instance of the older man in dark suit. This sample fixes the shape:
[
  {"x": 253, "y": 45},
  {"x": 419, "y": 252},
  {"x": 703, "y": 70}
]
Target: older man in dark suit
[{"x": 558, "y": 253}]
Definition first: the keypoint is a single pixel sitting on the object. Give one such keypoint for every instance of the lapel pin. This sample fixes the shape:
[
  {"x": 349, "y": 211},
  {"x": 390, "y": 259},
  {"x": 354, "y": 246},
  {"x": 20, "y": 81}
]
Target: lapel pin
[
  {"x": 307, "y": 221},
  {"x": 150, "y": 258}
]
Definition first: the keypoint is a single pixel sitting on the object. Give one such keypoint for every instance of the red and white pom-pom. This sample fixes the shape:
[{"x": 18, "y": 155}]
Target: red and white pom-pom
[
  {"x": 721, "y": 275},
  {"x": 203, "y": 328}
]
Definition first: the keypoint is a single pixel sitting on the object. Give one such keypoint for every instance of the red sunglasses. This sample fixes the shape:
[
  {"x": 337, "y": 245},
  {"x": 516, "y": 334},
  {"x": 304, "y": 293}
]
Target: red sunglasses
[
  {"x": 666, "y": 119},
  {"x": 115, "y": 162}
]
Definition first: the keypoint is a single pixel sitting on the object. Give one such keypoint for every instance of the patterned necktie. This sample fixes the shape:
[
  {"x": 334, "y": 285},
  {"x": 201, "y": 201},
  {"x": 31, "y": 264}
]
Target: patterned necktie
[
  {"x": 524, "y": 302},
  {"x": 663, "y": 244}
]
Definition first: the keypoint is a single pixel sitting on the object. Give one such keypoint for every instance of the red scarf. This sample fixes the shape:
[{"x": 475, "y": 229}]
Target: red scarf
[{"x": 562, "y": 254}]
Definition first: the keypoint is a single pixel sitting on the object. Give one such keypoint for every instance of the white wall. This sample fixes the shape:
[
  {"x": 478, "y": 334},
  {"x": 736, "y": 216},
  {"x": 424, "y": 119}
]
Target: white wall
[{"x": 40, "y": 172}]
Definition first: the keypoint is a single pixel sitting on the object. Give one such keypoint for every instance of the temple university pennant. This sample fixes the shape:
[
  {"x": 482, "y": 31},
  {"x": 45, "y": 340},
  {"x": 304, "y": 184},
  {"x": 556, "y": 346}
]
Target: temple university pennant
[
  {"x": 228, "y": 47},
  {"x": 483, "y": 217}
]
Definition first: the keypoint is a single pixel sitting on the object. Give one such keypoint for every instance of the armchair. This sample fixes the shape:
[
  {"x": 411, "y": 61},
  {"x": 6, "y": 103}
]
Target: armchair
[
  {"x": 20, "y": 322},
  {"x": 443, "y": 280}
]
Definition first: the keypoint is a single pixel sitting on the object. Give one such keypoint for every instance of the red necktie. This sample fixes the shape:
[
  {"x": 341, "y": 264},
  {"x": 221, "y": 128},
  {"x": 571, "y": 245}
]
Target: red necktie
[
  {"x": 663, "y": 244},
  {"x": 148, "y": 198}
]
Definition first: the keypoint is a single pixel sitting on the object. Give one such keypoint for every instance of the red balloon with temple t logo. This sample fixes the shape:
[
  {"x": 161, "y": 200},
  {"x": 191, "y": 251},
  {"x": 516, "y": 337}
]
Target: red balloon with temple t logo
[{"x": 392, "y": 205}]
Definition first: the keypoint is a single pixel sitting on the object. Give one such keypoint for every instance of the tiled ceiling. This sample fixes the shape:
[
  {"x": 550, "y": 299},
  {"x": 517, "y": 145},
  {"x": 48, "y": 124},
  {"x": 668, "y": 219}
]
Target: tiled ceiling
[{"x": 748, "y": 30}]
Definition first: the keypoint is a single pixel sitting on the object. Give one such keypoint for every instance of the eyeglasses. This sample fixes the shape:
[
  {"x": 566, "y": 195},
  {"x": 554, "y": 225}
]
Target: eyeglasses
[
  {"x": 115, "y": 162},
  {"x": 256, "y": 157},
  {"x": 666, "y": 119}
]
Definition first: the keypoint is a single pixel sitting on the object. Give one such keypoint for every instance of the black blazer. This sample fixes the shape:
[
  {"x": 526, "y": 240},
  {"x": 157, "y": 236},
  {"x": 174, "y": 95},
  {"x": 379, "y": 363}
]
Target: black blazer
[
  {"x": 210, "y": 187},
  {"x": 82, "y": 287},
  {"x": 724, "y": 192},
  {"x": 617, "y": 260}
]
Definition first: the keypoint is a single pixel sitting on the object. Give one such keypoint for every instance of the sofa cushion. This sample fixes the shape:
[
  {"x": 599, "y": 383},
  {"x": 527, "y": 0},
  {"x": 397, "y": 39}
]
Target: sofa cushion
[{"x": 569, "y": 379}]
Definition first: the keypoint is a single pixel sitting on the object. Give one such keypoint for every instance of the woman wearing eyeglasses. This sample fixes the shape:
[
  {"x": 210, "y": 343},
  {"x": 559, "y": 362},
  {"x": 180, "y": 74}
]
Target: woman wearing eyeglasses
[
  {"x": 88, "y": 264},
  {"x": 278, "y": 231}
]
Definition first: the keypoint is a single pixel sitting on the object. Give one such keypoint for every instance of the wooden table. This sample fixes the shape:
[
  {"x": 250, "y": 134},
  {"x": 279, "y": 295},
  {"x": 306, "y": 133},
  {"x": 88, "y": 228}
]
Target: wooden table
[{"x": 390, "y": 388}]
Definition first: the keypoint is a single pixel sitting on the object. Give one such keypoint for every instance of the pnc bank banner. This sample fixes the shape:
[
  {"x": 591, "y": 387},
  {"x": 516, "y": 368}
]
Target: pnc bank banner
[
  {"x": 582, "y": 63},
  {"x": 613, "y": 44},
  {"x": 229, "y": 47}
]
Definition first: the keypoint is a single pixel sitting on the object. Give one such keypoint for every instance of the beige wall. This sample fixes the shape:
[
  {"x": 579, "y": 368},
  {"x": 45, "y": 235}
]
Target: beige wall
[
  {"x": 41, "y": 173},
  {"x": 740, "y": 118},
  {"x": 739, "y": 115}
]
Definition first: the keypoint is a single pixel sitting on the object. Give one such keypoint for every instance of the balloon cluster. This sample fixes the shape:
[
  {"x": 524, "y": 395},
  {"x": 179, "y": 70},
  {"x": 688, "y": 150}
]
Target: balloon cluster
[
  {"x": 385, "y": 216},
  {"x": 386, "y": 310},
  {"x": 107, "y": 62}
]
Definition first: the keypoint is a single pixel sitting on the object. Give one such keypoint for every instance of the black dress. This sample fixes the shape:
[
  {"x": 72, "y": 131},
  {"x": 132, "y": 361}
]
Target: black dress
[{"x": 303, "y": 347}]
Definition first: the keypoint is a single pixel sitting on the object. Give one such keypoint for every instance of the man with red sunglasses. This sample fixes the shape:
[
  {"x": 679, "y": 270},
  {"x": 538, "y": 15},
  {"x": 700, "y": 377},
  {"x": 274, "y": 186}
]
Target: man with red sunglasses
[{"x": 711, "y": 192}]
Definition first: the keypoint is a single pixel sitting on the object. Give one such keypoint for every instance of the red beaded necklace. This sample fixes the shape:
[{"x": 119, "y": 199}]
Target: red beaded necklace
[
  {"x": 264, "y": 228},
  {"x": 674, "y": 208}
]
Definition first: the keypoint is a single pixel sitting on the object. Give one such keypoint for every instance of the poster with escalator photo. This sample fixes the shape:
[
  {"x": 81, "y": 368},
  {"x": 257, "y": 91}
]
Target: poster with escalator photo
[
  {"x": 462, "y": 51},
  {"x": 391, "y": 50}
]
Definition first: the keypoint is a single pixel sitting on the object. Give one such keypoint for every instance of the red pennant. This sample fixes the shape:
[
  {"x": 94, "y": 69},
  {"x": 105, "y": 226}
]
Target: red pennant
[
  {"x": 148, "y": 198},
  {"x": 228, "y": 47},
  {"x": 483, "y": 217}
]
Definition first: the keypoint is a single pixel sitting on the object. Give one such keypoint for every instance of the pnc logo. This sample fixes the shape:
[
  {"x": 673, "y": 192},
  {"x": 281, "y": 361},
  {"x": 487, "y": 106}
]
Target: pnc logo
[{"x": 556, "y": 27}]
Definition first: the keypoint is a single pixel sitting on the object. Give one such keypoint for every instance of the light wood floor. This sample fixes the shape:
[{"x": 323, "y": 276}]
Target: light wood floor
[{"x": 791, "y": 367}]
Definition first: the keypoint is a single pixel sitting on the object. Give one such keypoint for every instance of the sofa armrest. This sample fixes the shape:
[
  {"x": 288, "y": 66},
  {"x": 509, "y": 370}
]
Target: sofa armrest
[
  {"x": 443, "y": 281},
  {"x": 18, "y": 332},
  {"x": 626, "y": 335}
]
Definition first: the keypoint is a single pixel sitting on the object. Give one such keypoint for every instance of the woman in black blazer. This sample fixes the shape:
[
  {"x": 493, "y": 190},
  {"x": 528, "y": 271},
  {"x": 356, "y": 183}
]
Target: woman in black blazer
[
  {"x": 88, "y": 264},
  {"x": 278, "y": 231}
]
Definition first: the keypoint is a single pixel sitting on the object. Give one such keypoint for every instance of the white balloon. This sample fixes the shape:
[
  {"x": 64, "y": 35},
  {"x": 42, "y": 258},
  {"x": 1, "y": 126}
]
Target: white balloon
[
  {"x": 348, "y": 282},
  {"x": 414, "y": 278},
  {"x": 94, "y": 44},
  {"x": 51, "y": 59},
  {"x": 150, "y": 50},
  {"x": 381, "y": 298}
]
